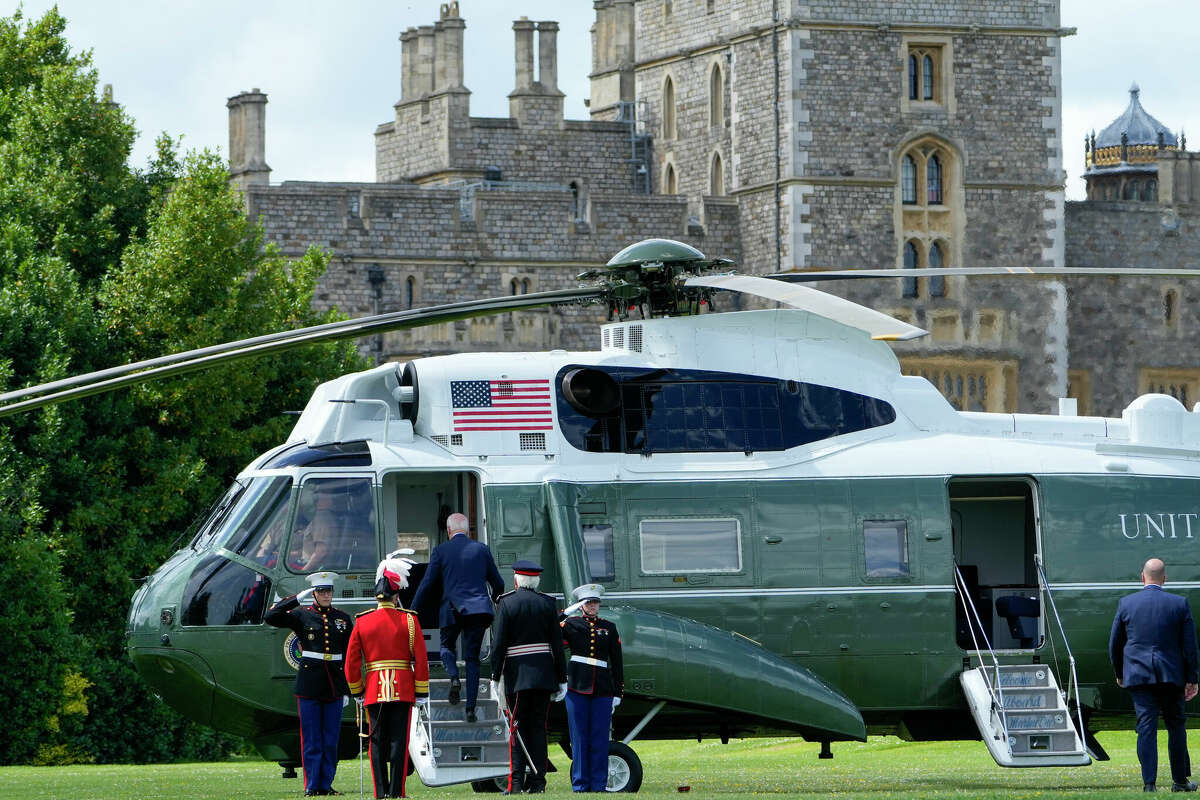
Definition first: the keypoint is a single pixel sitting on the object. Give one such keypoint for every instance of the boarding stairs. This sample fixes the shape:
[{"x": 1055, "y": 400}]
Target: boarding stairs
[
  {"x": 446, "y": 749},
  {"x": 1023, "y": 716}
]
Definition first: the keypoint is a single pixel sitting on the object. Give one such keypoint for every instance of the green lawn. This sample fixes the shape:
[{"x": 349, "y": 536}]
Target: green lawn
[{"x": 882, "y": 768}]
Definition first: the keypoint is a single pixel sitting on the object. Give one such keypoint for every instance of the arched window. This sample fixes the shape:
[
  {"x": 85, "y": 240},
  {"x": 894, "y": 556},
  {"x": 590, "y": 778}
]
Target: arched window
[
  {"x": 1170, "y": 306},
  {"x": 410, "y": 291},
  {"x": 1150, "y": 190},
  {"x": 514, "y": 288},
  {"x": 1131, "y": 191},
  {"x": 913, "y": 92},
  {"x": 525, "y": 286},
  {"x": 669, "y": 180},
  {"x": 716, "y": 98},
  {"x": 908, "y": 180},
  {"x": 668, "y": 110},
  {"x": 933, "y": 180},
  {"x": 716, "y": 178},
  {"x": 937, "y": 284},
  {"x": 911, "y": 261},
  {"x": 576, "y": 209},
  {"x": 927, "y": 77}
]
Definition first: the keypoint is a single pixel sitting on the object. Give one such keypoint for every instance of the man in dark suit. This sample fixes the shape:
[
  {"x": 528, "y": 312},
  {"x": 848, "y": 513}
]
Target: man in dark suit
[
  {"x": 462, "y": 570},
  {"x": 1153, "y": 651},
  {"x": 527, "y": 650}
]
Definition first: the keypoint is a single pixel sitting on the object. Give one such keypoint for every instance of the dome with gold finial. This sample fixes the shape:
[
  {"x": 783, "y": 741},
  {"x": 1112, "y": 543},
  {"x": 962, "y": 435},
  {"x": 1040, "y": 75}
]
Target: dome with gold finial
[{"x": 1122, "y": 160}]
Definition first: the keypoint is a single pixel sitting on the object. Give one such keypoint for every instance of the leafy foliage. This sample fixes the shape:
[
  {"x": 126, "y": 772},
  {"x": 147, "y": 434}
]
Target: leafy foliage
[{"x": 102, "y": 265}]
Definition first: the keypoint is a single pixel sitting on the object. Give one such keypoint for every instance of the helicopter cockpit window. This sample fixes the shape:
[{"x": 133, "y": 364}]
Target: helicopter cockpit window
[
  {"x": 335, "y": 526},
  {"x": 216, "y": 516},
  {"x": 885, "y": 545},
  {"x": 260, "y": 534},
  {"x": 690, "y": 545},
  {"x": 598, "y": 548},
  {"x": 689, "y": 411},
  {"x": 221, "y": 592}
]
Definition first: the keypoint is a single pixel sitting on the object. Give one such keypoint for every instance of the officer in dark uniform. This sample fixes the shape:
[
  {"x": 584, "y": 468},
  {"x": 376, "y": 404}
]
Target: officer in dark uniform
[
  {"x": 527, "y": 650},
  {"x": 595, "y": 681},
  {"x": 320, "y": 688}
]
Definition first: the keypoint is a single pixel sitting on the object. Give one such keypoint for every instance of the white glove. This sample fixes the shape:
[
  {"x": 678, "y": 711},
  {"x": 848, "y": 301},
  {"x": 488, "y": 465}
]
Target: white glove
[
  {"x": 558, "y": 696},
  {"x": 305, "y": 596},
  {"x": 616, "y": 702},
  {"x": 359, "y": 700},
  {"x": 571, "y": 609},
  {"x": 422, "y": 702}
]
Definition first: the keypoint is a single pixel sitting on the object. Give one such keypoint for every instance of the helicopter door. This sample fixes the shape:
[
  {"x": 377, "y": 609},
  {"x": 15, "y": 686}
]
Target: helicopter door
[
  {"x": 414, "y": 508},
  {"x": 996, "y": 539}
]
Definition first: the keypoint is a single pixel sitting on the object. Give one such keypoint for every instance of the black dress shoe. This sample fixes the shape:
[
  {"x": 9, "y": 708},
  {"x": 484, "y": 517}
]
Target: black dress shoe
[
  {"x": 1149, "y": 787},
  {"x": 471, "y": 715},
  {"x": 455, "y": 691},
  {"x": 1188, "y": 786}
]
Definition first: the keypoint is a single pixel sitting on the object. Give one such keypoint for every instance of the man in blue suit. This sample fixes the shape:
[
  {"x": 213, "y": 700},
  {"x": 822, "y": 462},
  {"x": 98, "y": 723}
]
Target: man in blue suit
[
  {"x": 1153, "y": 651},
  {"x": 461, "y": 570}
]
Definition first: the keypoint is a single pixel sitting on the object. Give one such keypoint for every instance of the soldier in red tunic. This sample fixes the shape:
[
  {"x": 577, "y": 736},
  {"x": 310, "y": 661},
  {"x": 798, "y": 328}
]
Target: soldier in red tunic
[{"x": 387, "y": 644}]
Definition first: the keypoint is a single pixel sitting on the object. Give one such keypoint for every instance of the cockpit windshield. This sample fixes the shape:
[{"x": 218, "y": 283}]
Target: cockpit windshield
[
  {"x": 335, "y": 526},
  {"x": 245, "y": 514}
]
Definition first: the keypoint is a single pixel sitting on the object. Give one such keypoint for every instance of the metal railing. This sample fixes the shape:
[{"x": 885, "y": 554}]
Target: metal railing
[
  {"x": 974, "y": 623},
  {"x": 1073, "y": 684}
]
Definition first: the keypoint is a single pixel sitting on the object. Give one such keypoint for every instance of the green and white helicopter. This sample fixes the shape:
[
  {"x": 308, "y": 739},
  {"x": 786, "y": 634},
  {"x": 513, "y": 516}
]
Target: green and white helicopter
[{"x": 794, "y": 537}]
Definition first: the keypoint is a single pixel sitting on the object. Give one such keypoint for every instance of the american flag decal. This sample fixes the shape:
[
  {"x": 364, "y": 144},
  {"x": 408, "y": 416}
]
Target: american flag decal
[{"x": 503, "y": 405}]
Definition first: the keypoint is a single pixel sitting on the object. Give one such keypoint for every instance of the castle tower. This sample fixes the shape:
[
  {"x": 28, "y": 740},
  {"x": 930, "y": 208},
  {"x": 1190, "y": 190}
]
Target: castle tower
[
  {"x": 1122, "y": 161},
  {"x": 247, "y": 139},
  {"x": 613, "y": 54}
]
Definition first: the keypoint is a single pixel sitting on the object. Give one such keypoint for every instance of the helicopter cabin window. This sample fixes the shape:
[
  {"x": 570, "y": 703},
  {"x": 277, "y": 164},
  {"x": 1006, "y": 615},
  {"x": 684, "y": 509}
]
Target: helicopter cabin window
[
  {"x": 221, "y": 592},
  {"x": 335, "y": 526},
  {"x": 885, "y": 548},
  {"x": 689, "y": 411},
  {"x": 598, "y": 548},
  {"x": 690, "y": 545}
]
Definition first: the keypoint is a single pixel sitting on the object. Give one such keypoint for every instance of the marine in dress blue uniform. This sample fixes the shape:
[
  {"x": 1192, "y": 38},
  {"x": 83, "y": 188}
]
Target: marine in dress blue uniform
[
  {"x": 463, "y": 571},
  {"x": 320, "y": 687},
  {"x": 595, "y": 682},
  {"x": 1154, "y": 656},
  {"x": 527, "y": 651}
]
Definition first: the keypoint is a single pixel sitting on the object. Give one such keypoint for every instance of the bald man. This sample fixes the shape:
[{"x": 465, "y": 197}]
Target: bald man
[
  {"x": 462, "y": 570},
  {"x": 1153, "y": 652}
]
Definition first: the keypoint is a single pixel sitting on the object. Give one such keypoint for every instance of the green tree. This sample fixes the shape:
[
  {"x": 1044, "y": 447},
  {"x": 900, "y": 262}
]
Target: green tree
[{"x": 101, "y": 265}]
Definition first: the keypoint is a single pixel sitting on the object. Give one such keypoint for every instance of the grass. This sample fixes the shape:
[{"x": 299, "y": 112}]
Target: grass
[{"x": 883, "y": 767}]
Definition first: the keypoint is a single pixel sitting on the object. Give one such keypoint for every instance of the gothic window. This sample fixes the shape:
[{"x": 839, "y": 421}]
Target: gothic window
[
  {"x": 668, "y": 109},
  {"x": 716, "y": 98},
  {"x": 1182, "y": 384},
  {"x": 908, "y": 180},
  {"x": 410, "y": 290},
  {"x": 912, "y": 78},
  {"x": 1170, "y": 307},
  {"x": 927, "y": 78},
  {"x": 525, "y": 286},
  {"x": 933, "y": 180},
  {"x": 924, "y": 72},
  {"x": 669, "y": 186},
  {"x": 514, "y": 287},
  {"x": 716, "y": 180},
  {"x": 937, "y": 284},
  {"x": 911, "y": 261},
  {"x": 1131, "y": 191}
]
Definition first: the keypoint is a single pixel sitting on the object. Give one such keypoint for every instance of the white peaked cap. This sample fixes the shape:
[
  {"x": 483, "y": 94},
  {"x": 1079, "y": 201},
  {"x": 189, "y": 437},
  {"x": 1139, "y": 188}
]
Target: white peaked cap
[
  {"x": 319, "y": 580},
  {"x": 588, "y": 591}
]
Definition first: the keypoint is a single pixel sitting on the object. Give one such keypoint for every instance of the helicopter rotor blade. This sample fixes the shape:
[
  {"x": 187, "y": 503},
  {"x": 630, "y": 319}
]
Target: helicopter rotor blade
[
  {"x": 192, "y": 360},
  {"x": 810, "y": 276},
  {"x": 877, "y": 325}
]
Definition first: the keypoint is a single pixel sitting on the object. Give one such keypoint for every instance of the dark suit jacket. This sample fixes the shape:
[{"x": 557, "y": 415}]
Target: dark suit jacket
[
  {"x": 1153, "y": 639},
  {"x": 462, "y": 570},
  {"x": 527, "y": 643}
]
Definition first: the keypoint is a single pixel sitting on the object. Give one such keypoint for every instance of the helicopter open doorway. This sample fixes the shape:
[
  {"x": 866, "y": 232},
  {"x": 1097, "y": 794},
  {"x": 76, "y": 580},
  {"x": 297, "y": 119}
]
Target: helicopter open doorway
[{"x": 996, "y": 544}]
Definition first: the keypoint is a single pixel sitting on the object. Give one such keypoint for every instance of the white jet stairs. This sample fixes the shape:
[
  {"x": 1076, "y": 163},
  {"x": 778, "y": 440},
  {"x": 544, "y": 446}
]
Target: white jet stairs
[
  {"x": 446, "y": 749},
  {"x": 1023, "y": 716}
]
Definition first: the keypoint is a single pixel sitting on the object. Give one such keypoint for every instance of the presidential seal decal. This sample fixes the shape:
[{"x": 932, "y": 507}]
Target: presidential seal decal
[{"x": 291, "y": 651}]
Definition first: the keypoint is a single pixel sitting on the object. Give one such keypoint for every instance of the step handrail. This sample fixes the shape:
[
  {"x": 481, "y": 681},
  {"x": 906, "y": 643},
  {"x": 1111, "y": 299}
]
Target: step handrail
[
  {"x": 997, "y": 691},
  {"x": 1073, "y": 684}
]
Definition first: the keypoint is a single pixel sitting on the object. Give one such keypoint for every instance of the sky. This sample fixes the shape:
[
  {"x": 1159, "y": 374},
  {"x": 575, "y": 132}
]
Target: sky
[{"x": 331, "y": 71}]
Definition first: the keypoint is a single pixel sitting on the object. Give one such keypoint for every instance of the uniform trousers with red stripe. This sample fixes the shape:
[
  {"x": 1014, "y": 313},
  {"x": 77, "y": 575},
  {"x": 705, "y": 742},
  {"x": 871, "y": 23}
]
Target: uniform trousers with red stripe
[
  {"x": 530, "y": 709},
  {"x": 320, "y": 728},
  {"x": 389, "y": 746}
]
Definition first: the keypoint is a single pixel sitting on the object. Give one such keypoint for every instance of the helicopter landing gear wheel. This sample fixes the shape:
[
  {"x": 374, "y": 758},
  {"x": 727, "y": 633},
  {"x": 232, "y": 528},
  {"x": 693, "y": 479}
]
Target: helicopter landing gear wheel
[{"x": 624, "y": 768}]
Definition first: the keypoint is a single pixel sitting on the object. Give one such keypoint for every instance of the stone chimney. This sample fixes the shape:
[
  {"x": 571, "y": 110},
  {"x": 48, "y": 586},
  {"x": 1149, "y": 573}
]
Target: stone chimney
[
  {"x": 423, "y": 73},
  {"x": 548, "y": 55},
  {"x": 247, "y": 140},
  {"x": 524, "y": 35},
  {"x": 612, "y": 57},
  {"x": 408, "y": 65},
  {"x": 452, "y": 46}
]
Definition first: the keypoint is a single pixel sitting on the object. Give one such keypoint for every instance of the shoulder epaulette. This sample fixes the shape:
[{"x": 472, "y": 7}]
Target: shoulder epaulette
[
  {"x": 549, "y": 597},
  {"x": 367, "y": 611},
  {"x": 506, "y": 594}
]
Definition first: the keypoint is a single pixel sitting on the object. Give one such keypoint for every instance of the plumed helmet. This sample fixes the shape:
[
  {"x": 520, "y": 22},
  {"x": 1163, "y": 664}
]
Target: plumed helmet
[{"x": 392, "y": 575}]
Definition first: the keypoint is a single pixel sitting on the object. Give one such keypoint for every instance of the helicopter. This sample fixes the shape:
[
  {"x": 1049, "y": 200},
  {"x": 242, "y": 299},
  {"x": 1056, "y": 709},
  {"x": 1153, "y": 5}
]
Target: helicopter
[{"x": 794, "y": 537}]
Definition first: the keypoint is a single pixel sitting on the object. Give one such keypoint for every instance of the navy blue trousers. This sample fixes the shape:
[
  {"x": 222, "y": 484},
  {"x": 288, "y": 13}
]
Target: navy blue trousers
[
  {"x": 472, "y": 628},
  {"x": 1148, "y": 702},
  {"x": 589, "y": 718},
  {"x": 320, "y": 727}
]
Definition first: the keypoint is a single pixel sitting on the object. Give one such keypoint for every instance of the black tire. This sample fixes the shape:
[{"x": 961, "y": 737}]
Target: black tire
[
  {"x": 490, "y": 785},
  {"x": 624, "y": 768}
]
